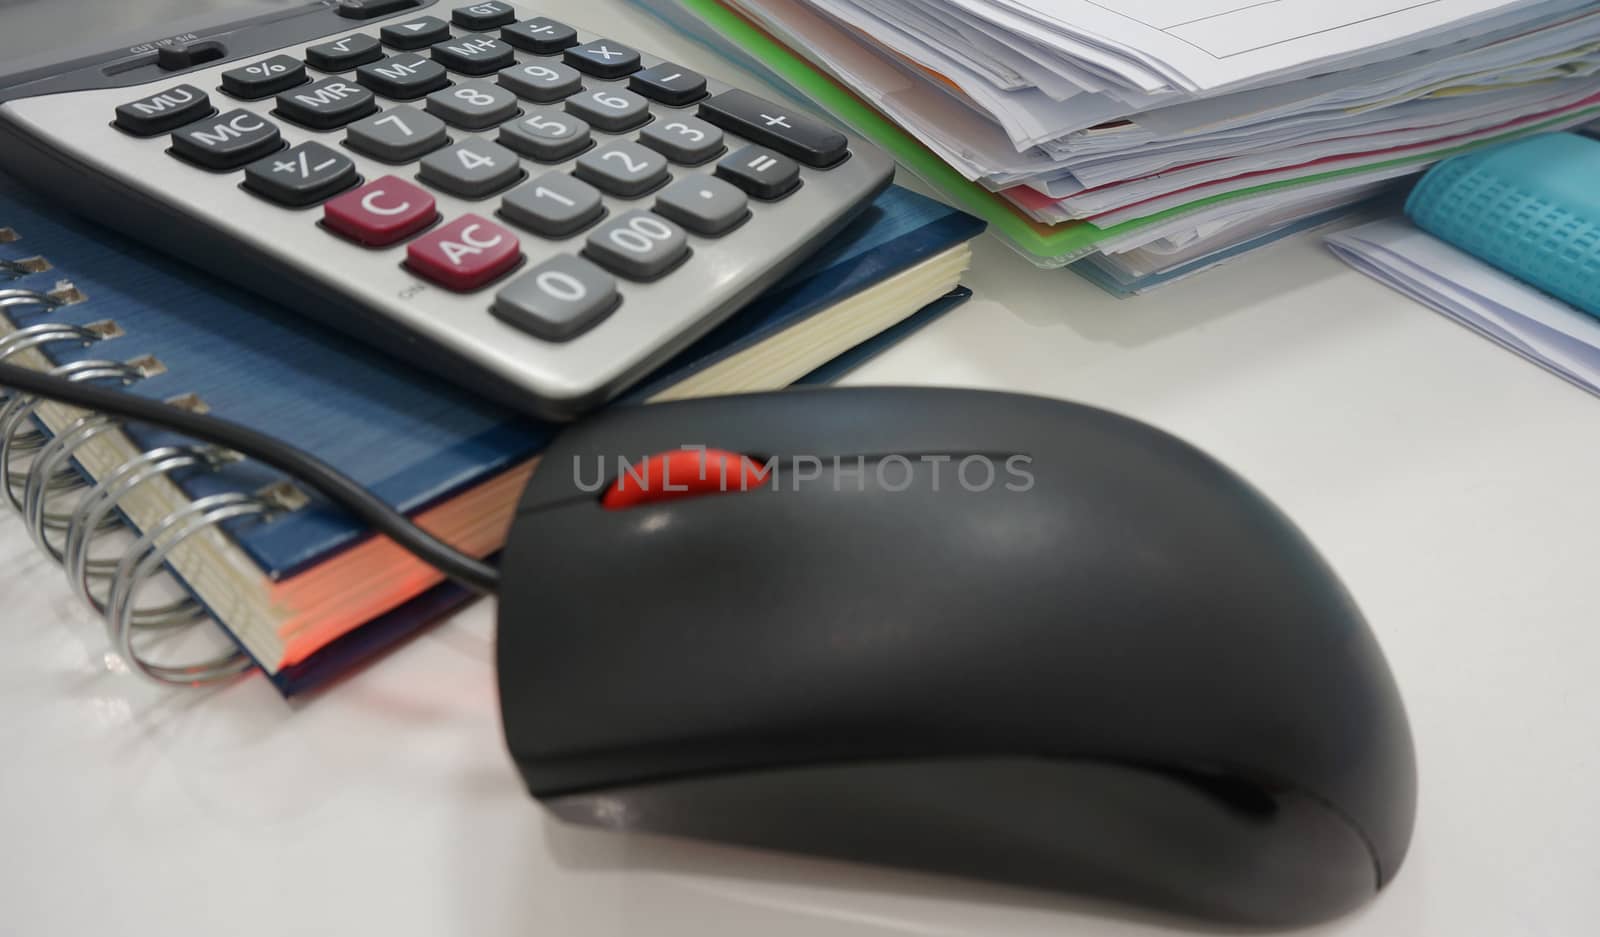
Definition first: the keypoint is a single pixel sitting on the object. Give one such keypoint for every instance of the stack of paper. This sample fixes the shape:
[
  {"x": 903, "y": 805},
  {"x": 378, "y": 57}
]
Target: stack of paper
[
  {"x": 1157, "y": 136},
  {"x": 1494, "y": 304}
]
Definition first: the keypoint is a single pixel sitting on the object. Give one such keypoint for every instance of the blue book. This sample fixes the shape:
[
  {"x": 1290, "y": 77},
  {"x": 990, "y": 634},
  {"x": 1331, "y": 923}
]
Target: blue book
[{"x": 309, "y": 591}]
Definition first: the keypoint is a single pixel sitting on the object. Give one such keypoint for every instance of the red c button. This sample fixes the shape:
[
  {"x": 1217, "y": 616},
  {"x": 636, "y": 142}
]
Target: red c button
[
  {"x": 683, "y": 473},
  {"x": 381, "y": 212}
]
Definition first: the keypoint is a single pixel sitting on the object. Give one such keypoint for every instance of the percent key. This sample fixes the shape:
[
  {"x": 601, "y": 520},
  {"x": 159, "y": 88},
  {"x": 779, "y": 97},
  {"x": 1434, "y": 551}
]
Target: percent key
[{"x": 268, "y": 76}]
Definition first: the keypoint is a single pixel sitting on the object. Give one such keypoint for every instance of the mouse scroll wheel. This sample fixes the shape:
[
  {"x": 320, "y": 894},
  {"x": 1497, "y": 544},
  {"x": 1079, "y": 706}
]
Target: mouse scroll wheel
[{"x": 683, "y": 473}]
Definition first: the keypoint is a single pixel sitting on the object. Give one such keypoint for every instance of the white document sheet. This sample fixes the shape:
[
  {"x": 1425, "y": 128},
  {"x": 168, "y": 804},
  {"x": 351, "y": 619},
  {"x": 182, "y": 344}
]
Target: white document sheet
[
  {"x": 1219, "y": 42},
  {"x": 1533, "y": 324}
]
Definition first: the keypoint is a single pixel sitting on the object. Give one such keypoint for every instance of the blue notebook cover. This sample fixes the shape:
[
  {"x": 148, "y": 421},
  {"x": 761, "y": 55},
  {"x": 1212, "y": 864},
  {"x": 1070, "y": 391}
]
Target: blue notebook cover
[{"x": 412, "y": 439}]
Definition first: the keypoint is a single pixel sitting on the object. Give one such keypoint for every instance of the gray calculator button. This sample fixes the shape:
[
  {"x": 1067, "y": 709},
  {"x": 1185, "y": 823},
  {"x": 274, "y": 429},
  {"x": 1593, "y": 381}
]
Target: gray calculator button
[
  {"x": 623, "y": 168},
  {"x": 541, "y": 81},
  {"x": 398, "y": 135},
  {"x": 473, "y": 105},
  {"x": 227, "y": 140},
  {"x": 639, "y": 245},
  {"x": 558, "y": 299},
  {"x": 683, "y": 140},
  {"x": 472, "y": 168},
  {"x": 546, "y": 134},
  {"x": 703, "y": 204},
  {"x": 554, "y": 205},
  {"x": 328, "y": 103},
  {"x": 304, "y": 174},
  {"x": 610, "y": 109}
]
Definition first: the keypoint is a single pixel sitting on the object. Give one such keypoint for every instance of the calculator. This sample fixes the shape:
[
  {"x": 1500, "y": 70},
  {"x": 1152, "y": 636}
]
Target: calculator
[{"x": 536, "y": 212}]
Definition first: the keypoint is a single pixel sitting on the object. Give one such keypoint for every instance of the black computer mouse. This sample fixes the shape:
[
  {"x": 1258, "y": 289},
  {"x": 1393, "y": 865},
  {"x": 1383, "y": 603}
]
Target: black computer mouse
[{"x": 965, "y": 632}]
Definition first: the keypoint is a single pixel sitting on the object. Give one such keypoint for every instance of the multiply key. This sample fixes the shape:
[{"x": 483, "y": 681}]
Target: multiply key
[
  {"x": 777, "y": 127},
  {"x": 603, "y": 58}
]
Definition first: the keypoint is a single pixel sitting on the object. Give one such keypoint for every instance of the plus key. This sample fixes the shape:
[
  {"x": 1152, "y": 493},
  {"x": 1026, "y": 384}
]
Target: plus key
[{"x": 776, "y": 127}]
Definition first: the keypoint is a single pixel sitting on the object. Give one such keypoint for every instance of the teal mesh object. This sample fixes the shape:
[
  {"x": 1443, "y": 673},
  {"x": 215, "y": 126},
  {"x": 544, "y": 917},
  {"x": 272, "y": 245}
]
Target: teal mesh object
[{"x": 1531, "y": 208}]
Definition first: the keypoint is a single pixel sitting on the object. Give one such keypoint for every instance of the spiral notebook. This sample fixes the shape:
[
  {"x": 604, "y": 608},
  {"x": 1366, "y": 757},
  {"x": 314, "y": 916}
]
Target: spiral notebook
[{"x": 302, "y": 587}]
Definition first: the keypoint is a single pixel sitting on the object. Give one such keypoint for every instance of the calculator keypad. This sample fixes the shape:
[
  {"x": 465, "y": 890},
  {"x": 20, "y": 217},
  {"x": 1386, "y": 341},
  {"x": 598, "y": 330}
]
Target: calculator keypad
[{"x": 637, "y": 165}]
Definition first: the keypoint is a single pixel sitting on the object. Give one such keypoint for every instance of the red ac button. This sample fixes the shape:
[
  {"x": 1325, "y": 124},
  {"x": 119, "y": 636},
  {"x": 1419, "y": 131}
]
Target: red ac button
[
  {"x": 464, "y": 254},
  {"x": 381, "y": 212}
]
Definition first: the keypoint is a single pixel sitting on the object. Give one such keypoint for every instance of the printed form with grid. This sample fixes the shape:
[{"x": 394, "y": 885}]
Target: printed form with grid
[{"x": 525, "y": 208}]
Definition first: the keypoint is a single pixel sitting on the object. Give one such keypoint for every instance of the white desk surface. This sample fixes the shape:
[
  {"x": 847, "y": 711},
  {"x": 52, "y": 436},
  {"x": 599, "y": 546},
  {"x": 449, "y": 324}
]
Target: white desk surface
[{"x": 1454, "y": 487}]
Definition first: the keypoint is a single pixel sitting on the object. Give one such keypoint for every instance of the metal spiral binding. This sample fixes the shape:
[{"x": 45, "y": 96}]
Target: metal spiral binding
[
  {"x": 89, "y": 520},
  {"x": 14, "y": 418},
  {"x": 51, "y": 461},
  {"x": 37, "y": 336},
  {"x": 145, "y": 558},
  {"x": 21, "y": 297}
]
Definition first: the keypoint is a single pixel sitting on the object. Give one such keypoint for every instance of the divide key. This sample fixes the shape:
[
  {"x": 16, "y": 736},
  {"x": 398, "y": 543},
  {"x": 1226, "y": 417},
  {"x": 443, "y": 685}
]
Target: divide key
[{"x": 777, "y": 127}]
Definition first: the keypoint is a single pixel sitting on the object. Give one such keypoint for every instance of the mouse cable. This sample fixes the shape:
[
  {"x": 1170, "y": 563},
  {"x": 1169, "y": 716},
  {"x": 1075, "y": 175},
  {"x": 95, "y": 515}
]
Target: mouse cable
[{"x": 313, "y": 472}]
